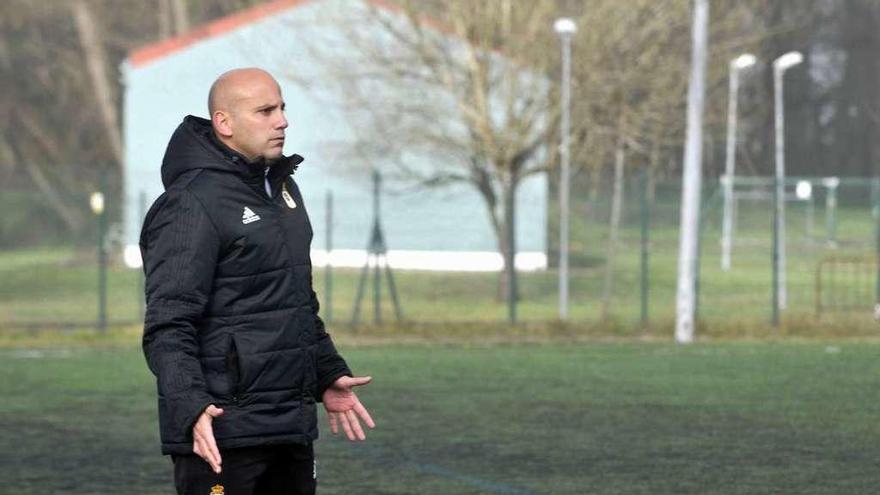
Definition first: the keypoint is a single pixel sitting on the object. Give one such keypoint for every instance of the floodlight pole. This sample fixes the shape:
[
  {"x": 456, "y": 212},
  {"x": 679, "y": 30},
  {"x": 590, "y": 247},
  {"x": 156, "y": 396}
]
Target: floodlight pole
[
  {"x": 692, "y": 176},
  {"x": 743, "y": 61},
  {"x": 780, "y": 65},
  {"x": 565, "y": 28}
]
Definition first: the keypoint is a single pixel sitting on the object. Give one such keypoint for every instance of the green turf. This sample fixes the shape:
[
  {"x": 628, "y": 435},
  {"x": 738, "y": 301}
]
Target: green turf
[{"x": 514, "y": 419}]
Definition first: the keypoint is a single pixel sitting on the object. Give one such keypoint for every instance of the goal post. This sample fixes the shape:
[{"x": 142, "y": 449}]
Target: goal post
[{"x": 760, "y": 188}]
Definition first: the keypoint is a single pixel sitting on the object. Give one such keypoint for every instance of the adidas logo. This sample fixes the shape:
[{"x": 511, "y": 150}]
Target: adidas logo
[{"x": 249, "y": 216}]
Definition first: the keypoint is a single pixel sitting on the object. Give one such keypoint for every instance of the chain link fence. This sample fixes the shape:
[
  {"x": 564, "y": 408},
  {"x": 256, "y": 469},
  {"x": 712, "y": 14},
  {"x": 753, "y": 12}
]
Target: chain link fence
[{"x": 621, "y": 277}]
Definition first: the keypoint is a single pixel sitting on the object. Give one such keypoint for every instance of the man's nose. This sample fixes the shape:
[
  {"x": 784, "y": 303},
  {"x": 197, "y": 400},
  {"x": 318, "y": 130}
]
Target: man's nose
[{"x": 282, "y": 124}]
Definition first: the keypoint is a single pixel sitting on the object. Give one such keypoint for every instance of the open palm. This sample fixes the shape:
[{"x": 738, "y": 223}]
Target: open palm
[{"x": 343, "y": 407}]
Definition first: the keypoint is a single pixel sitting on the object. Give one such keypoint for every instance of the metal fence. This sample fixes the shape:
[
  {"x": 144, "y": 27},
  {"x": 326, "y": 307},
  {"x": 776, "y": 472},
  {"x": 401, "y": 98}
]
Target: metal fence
[{"x": 627, "y": 283}]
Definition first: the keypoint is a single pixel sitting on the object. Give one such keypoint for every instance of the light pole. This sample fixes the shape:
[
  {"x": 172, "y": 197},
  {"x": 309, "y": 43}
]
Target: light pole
[
  {"x": 685, "y": 298},
  {"x": 780, "y": 65},
  {"x": 565, "y": 28},
  {"x": 739, "y": 63}
]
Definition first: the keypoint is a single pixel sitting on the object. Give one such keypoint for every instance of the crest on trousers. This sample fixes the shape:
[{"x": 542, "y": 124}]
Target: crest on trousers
[{"x": 217, "y": 490}]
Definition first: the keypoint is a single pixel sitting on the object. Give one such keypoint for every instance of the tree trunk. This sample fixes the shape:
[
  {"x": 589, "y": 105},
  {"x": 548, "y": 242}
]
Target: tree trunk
[
  {"x": 509, "y": 254},
  {"x": 653, "y": 164},
  {"x": 595, "y": 187},
  {"x": 496, "y": 218},
  {"x": 96, "y": 61},
  {"x": 181, "y": 17},
  {"x": 163, "y": 13},
  {"x": 613, "y": 228}
]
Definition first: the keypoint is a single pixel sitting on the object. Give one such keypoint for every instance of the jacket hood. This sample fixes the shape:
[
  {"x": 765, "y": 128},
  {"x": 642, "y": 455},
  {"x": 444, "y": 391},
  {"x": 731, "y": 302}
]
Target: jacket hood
[{"x": 194, "y": 146}]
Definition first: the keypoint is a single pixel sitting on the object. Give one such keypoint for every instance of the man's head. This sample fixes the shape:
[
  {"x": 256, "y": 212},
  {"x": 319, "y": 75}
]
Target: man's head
[{"x": 247, "y": 113}]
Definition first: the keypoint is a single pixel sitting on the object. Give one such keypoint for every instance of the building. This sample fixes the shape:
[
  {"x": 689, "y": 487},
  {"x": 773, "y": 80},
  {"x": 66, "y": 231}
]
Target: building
[{"x": 442, "y": 228}]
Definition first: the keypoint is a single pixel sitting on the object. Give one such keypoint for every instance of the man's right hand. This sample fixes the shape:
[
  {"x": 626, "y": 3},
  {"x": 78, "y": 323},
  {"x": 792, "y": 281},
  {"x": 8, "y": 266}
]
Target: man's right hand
[{"x": 203, "y": 438}]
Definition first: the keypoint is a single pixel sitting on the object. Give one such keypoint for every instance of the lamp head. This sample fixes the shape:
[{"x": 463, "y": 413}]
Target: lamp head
[
  {"x": 788, "y": 60},
  {"x": 96, "y": 201},
  {"x": 743, "y": 61},
  {"x": 564, "y": 26}
]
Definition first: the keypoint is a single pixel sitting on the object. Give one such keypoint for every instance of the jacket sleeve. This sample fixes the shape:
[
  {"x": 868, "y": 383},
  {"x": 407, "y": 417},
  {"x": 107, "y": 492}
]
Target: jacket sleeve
[
  {"x": 330, "y": 364},
  {"x": 179, "y": 246}
]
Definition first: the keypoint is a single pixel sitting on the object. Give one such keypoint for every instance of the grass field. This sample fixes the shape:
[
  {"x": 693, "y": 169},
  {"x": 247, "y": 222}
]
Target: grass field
[
  {"x": 469, "y": 405},
  {"x": 558, "y": 418},
  {"x": 59, "y": 287}
]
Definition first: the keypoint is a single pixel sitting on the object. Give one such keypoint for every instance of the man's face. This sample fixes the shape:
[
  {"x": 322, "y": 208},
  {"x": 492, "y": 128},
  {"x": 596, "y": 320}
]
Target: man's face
[{"x": 257, "y": 120}]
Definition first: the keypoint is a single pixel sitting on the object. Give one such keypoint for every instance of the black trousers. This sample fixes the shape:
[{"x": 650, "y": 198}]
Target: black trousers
[{"x": 269, "y": 470}]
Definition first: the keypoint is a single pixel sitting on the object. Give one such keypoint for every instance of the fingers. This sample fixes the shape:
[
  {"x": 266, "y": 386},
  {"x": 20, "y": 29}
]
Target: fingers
[
  {"x": 215, "y": 453},
  {"x": 346, "y": 426},
  {"x": 350, "y": 424},
  {"x": 203, "y": 449},
  {"x": 364, "y": 414},
  {"x": 334, "y": 424},
  {"x": 355, "y": 425},
  {"x": 356, "y": 381},
  {"x": 206, "y": 448},
  {"x": 204, "y": 444}
]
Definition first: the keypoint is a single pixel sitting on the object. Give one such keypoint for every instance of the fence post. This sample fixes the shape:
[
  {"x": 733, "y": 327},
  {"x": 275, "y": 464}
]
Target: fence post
[
  {"x": 831, "y": 184},
  {"x": 644, "y": 257},
  {"x": 699, "y": 255},
  {"x": 875, "y": 189},
  {"x": 774, "y": 297},
  {"x": 96, "y": 201}
]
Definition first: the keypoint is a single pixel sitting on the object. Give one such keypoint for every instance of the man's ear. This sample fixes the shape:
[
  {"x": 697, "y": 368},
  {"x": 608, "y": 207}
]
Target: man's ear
[{"x": 220, "y": 121}]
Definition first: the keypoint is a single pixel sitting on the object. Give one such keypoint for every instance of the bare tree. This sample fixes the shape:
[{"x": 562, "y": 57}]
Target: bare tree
[
  {"x": 471, "y": 93},
  {"x": 61, "y": 96},
  {"x": 96, "y": 61},
  {"x": 181, "y": 16},
  {"x": 632, "y": 72}
]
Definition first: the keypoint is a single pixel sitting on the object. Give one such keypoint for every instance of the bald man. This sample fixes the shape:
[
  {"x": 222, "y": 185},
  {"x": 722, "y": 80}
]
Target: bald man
[{"x": 232, "y": 330}]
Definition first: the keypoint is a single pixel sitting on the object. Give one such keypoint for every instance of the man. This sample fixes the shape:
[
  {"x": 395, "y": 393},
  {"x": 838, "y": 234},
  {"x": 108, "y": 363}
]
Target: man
[{"x": 232, "y": 331}]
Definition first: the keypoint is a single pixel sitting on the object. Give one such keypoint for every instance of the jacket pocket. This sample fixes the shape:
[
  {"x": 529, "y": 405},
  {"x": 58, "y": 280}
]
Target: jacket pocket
[{"x": 233, "y": 369}]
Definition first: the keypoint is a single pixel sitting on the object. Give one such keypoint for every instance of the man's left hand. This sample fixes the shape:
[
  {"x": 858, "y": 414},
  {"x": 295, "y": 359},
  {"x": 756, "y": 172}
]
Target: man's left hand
[{"x": 343, "y": 407}]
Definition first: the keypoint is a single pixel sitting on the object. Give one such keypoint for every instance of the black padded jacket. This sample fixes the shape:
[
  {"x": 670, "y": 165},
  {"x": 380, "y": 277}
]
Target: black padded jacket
[{"x": 231, "y": 316}]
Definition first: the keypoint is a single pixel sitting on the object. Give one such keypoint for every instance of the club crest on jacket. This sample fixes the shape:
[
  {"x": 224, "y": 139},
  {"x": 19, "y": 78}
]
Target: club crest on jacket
[{"x": 287, "y": 197}]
